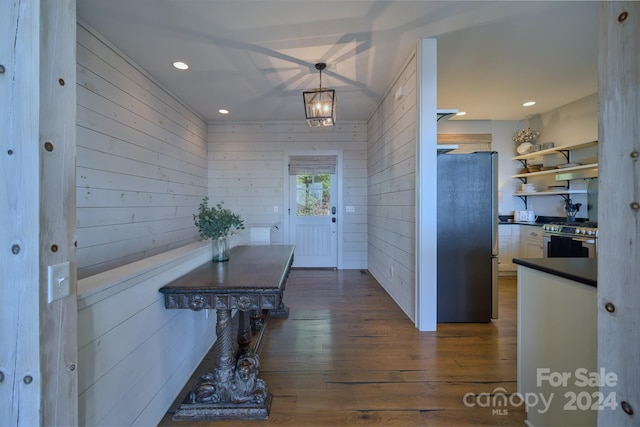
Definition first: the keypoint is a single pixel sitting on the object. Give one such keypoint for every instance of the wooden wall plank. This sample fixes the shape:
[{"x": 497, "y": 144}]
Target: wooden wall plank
[
  {"x": 133, "y": 353},
  {"x": 391, "y": 166},
  {"x": 118, "y": 63},
  {"x": 139, "y": 148},
  {"x": 58, "y": 348},
  {"x": 19, "y": 213},
  {"x": 618, "y": 217},
  {"x": 38, "y": 350}
]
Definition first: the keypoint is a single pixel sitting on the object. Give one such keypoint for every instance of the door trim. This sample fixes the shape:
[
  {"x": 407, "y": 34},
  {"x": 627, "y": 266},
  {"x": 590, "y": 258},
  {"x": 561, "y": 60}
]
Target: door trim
[{"x": 339, "y": 189}]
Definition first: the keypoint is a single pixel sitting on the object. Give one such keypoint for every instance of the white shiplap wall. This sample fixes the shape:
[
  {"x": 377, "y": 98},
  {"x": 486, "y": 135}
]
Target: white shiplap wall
[
  {"x": 141, "y": 161},
  {"x": 247, "y": 170},
  {"x": 391, "y": 191},
  {"x": 135, "y": 356}
]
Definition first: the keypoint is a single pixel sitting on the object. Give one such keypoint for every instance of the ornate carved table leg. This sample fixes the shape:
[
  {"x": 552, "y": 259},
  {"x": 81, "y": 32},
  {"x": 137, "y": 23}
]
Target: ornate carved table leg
[
  {"x": 233, "y": 390},
  {"x": 281, "y": 312},
  {"x": 256, "y": 320},
  {"x": 244, "y": 329}
]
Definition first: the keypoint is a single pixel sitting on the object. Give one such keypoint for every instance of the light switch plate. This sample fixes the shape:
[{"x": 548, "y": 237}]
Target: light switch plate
[{"x": 59, "y": 281}]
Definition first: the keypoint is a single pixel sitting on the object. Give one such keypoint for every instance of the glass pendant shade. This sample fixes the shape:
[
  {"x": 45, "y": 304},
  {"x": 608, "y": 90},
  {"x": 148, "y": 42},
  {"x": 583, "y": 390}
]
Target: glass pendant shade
[
  {"x": 320, "y": 104},
  {"x": 320, "y": 107}
]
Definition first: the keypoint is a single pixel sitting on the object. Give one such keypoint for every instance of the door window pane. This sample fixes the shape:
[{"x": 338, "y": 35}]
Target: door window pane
[{"x": 312, "y": 195}]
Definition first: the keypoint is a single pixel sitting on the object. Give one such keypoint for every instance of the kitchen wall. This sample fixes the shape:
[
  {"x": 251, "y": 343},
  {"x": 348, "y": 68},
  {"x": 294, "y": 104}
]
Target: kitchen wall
[
  {"x": 141, "y": 161},
  {"x": 247, "y": 165},
  {"x": 571, "y": 123},
  {"x": 391, "y": 166}
]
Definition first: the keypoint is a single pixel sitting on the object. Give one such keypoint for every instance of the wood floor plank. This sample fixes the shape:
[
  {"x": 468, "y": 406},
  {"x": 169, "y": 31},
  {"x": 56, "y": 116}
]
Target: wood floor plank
[{"x": 347, "y": 355}]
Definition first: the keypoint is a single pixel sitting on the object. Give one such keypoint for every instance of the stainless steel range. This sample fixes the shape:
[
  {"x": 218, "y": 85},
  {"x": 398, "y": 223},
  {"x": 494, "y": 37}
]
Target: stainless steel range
[{"x": 574, "y": 239}]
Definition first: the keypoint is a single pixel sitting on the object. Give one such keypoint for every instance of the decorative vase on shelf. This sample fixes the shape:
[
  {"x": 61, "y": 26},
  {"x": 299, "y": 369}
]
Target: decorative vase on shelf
[
  {"x": 220, "y": 248},
  {"x": 524, "y": 139}
]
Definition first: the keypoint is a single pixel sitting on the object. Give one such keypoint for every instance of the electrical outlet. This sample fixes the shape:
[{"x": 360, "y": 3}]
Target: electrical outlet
[
  {"x": 275, "y": 209},
  {"x": 59, "y": 281},
  {"x": 391, "y": 271}
]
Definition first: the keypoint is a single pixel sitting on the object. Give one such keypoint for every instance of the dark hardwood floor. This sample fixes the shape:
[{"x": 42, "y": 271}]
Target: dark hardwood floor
[{"x": 347, "y": 355}]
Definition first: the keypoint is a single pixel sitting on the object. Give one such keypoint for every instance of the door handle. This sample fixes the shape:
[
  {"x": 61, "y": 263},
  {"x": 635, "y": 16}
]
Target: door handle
[{"x": 333, "y": 210}]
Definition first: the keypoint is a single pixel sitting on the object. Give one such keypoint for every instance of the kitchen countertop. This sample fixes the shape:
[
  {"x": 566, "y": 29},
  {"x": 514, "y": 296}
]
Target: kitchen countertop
[
  {"x": 539, "y": 224},
  {"x": 582, "y": 270}
]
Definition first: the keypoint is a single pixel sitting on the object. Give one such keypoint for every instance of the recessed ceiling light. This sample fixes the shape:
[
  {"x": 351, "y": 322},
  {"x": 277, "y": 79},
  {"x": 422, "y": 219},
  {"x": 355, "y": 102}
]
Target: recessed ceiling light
[
  {"x": 461, "y": 113},
  {"x": 181, "y": 65},
  {"x": 223, "y": 111},
  {"x": 529, "y": 103}
]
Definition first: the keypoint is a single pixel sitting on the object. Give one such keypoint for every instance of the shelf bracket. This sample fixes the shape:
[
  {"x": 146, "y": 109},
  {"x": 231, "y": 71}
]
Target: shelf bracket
[
  {"x": 524, "y": 200},
  {"x": 565, "y": 153}
]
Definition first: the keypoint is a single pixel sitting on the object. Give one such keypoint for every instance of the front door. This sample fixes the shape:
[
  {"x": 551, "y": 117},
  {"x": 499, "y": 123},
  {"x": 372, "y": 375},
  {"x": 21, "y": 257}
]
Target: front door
[{"x": 313, "y": 219}]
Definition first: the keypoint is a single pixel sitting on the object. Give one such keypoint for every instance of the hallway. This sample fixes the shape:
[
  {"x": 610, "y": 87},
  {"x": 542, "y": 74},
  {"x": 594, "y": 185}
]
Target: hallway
[{"x": 347, "y": 355}]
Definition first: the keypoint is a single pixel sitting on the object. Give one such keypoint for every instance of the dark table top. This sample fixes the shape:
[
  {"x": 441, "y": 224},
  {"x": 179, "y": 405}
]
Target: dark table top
[
  {"x": 250, "y": 268},
  {"x": 582, "y": 270}
]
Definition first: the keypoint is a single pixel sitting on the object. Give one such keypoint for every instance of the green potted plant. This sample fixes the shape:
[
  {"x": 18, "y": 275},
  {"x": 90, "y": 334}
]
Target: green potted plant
[{"x": 217, "y": 223}]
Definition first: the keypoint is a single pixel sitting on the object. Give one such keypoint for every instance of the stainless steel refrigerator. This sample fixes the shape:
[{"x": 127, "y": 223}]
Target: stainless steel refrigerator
[{"x": 467, "y": 237}]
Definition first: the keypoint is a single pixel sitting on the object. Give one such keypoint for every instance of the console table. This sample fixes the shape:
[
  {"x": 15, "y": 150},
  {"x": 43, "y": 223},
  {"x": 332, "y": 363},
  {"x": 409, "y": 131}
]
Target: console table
[{"x": 253, "y": 282}]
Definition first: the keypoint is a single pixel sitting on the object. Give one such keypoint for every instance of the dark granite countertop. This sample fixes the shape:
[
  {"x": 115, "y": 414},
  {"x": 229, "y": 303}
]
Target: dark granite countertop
[
  {"x": 540, "y": 220},
  {"x": 539, "y": 224},
  {"x": 582, "y": 270}
]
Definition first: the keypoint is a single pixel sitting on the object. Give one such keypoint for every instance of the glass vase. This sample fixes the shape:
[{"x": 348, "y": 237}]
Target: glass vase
[{"x": 220, "y": 249}]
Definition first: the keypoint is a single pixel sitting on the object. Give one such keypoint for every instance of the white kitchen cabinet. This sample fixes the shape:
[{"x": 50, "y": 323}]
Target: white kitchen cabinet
[
  {"x": 531, "y": 241},
  {"x": 557, "y": 335},
  {"x": 508, "y": 248}
]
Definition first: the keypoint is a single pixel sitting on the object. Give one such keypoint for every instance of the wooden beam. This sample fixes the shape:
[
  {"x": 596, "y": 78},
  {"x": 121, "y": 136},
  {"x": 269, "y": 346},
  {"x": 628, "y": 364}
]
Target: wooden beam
[
  {"x": 38, "y": 350},
  {"x": 619, "y": 216}
]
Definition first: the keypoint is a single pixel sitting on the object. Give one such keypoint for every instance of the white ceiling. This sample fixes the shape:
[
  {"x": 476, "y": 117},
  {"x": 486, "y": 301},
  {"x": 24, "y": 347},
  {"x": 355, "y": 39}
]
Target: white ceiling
[{"x": 256, "y": 57}]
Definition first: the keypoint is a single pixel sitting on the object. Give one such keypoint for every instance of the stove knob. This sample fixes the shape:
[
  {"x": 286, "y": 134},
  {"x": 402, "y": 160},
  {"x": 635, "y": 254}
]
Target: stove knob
[
  {"x": 581, "y": 230},
  {"x": 591, "y": 232}
]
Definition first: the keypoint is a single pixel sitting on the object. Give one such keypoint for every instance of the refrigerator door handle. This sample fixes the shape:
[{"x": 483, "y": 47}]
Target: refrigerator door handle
[{"x": 494, "y": 287}]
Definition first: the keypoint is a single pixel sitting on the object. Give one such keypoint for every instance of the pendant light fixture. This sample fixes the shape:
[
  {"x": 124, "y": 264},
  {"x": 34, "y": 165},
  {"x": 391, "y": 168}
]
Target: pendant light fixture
[{"x": 320, "y": 104}]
